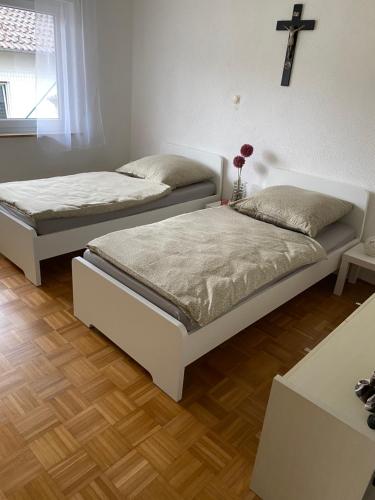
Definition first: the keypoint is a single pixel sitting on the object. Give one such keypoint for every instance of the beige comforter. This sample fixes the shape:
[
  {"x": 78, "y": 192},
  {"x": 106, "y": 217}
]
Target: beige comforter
[
  {"x": 206, "y": 262},
  {"x": 80, "y": 194}
]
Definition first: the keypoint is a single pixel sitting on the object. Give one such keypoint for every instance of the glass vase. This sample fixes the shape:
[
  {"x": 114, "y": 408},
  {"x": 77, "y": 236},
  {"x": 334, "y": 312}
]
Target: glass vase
[{"x": 239, "y": 190}]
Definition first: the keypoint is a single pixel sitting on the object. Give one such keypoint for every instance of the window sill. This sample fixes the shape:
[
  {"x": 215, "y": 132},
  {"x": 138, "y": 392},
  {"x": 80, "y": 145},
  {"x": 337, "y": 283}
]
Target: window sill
[{"x": 14, "y": 134}]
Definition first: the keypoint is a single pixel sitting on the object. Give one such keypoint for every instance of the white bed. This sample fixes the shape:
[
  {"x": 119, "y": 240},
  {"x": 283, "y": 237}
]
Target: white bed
[
  {"x": 22, "y": 245},
  {"x": 160, "y": 343}
]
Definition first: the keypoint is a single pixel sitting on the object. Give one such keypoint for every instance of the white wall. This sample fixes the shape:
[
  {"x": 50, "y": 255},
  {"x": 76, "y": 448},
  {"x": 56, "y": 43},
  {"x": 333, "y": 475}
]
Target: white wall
[
  {"x": 26, "y": 158},
  {"x": 191, "y": 57}
]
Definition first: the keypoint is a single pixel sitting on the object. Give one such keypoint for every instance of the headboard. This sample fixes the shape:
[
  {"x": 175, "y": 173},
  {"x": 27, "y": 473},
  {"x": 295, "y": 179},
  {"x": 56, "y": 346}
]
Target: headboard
[
  {"x": 211, "y": 160},
  {"x": 355, "y": 194}
]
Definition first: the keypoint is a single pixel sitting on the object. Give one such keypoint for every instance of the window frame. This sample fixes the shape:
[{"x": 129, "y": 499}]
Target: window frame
[
  {"x": 28, "y": 126},
  {"x": 4, "y": 91}
]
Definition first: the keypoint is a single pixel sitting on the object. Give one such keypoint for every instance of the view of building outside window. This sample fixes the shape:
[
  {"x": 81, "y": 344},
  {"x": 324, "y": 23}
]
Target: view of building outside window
[
  {"x": 28, "y": 86},
  {"x": 3, "y": 101}
]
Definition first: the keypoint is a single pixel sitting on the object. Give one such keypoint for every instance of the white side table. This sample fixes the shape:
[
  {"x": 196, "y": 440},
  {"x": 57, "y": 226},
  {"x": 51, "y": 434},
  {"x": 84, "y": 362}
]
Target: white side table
[{"x": 358, "y": 259}]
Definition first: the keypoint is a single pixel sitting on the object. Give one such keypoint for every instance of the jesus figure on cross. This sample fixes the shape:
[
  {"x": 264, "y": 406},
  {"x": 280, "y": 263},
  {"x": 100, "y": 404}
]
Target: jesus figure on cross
[{"x": 291, "y": 41}]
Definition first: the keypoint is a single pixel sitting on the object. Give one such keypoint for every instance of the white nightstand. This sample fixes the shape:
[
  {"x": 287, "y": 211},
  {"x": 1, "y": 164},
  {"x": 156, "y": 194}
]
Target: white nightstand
[{"x": 355, "y": 256}]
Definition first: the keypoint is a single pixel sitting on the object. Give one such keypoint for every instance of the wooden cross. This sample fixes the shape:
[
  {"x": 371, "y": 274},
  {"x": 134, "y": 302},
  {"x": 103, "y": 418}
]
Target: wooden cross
[{"x": 294, "y": 27}]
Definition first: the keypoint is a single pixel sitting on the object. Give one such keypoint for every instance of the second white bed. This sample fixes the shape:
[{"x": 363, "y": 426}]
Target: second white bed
[{"x": 26, "y": 247}]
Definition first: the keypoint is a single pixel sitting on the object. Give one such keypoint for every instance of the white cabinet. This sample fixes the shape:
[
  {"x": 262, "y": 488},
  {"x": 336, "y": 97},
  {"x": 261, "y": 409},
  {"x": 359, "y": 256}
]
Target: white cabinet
[{"x": 315, "y": 443}]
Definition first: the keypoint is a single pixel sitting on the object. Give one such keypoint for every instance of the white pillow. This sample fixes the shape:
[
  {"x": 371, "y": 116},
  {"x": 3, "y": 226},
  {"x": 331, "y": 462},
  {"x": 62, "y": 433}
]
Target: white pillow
[
  {"x": 175, "y": 171},
  {"x": 290, "y": 207}
]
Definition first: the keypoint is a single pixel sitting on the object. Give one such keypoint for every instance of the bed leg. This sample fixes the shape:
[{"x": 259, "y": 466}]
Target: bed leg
[
  {"x": 33, "y": 274},
  {"x": 79, "y": 314},
  {"x": 170, "y": 383}
]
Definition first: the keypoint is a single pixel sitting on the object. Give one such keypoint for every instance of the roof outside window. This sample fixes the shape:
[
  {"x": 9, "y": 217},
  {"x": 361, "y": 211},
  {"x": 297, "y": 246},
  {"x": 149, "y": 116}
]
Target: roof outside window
[{"x": 18, "y": 29}]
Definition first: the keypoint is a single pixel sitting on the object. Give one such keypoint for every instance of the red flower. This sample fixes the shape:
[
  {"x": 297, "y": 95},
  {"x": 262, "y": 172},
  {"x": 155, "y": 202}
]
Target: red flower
[
  {"x": 247, "y": 150},
  {"x": 239, "y": 161}
]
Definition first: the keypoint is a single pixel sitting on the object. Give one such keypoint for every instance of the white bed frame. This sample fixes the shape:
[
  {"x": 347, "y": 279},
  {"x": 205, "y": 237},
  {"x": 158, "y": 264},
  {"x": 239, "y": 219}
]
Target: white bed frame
[
  {"x": 160, "y": 343},
  {"x": 22, "y": 245}
]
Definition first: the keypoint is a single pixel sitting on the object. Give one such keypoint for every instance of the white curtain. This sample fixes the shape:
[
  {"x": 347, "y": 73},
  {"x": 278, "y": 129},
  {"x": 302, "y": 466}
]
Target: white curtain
[{"x": 67, "y": 80}]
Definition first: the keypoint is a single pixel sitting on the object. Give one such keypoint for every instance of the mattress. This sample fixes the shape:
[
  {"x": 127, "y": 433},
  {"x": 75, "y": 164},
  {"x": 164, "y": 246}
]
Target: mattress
[
  {"x": 334, "y": 236},
  {"x": 180, "y": 195}
]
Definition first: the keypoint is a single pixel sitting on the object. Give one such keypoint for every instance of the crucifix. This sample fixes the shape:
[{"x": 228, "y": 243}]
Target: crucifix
[{"x": 293, "y": 27}]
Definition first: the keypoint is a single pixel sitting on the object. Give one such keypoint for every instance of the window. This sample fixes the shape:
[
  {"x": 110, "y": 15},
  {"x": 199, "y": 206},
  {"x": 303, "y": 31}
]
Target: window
[
  {"x": 49, "y": 64},
  {"x": 3, "y": 101},
  {"x": 28, "y": 79}
]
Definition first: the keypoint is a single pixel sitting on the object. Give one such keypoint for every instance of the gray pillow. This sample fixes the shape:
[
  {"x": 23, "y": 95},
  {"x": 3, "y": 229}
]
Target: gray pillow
[
  {"x": 300, "y": 210},
  {"x": 175, "y": 171}
]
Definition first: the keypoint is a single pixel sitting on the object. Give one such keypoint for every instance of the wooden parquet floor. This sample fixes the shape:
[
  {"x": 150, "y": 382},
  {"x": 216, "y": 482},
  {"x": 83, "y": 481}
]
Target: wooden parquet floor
[{"x": 80, "y": 420}]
